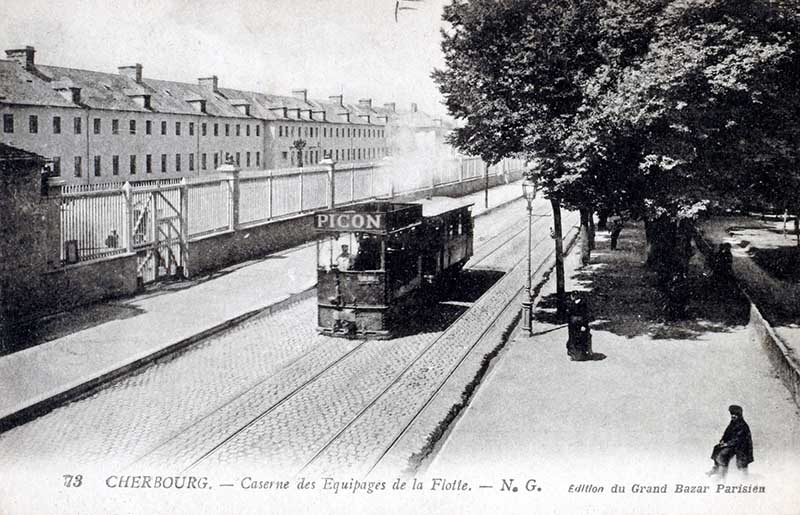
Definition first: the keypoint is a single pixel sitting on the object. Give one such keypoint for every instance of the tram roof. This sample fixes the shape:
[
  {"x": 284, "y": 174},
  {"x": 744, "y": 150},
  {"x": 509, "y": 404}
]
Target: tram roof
[{"x": 435, "y": 206}]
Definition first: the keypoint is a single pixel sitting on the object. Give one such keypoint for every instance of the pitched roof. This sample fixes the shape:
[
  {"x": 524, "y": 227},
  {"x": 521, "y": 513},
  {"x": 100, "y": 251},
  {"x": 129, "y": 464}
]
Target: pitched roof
[
  {"x": 9, "y": 153},
  {"x": 113, "y": 91}
]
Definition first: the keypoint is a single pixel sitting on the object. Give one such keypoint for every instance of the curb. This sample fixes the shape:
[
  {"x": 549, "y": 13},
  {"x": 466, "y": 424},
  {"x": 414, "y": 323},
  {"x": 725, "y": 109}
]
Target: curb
[
  {"x": 90, "y": 386},
  {"x": 462, "y": 403}
]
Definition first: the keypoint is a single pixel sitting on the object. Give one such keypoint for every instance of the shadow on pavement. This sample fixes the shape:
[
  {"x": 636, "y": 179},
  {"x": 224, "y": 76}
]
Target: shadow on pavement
[
  {"x": 62, "y": 324},
  {"x": 437, "y": 312},
  {"x": 623, "y": 297}
]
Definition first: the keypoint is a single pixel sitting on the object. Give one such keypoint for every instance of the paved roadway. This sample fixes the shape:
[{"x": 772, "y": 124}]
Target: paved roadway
[{"x": 273, "y": 394}]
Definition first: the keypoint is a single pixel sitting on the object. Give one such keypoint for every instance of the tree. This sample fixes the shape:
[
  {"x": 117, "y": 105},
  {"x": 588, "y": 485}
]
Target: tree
[
  {"x": 513, "y": 72},
  {"x": 299, "y": 145}
]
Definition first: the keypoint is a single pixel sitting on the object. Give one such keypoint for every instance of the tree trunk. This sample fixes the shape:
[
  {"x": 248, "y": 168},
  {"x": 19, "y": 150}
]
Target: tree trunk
[
  {"x": 591, "y": 230},
  {"x": 797, "y": 228},
  {"x": 669, "y": 250},
  {"x": 557, "y": 235},
  {"x": 586, "y": 245},
  {"x": 602, "y": 220}
]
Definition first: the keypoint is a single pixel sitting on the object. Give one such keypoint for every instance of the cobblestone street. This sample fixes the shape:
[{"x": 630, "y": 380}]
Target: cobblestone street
[{"x": 272, "y": 393}]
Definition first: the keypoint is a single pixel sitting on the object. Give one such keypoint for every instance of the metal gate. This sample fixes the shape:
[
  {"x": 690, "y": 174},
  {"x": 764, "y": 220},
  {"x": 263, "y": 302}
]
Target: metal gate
[{"x": 159, "y": 235}]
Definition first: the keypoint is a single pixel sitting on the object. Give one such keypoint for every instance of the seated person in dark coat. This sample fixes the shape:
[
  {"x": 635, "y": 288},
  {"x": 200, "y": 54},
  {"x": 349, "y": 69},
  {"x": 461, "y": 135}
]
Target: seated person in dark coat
[{"x": 736, "y": 441}]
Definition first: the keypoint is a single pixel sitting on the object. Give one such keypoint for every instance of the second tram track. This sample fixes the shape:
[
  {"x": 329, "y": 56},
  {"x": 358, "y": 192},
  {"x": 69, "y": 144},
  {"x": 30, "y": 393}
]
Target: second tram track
[{"x": 318, "y": 374}]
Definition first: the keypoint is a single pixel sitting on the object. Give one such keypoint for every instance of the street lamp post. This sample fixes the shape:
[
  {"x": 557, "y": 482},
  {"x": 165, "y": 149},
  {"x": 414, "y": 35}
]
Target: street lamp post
[{"x": 529, "y": 193}]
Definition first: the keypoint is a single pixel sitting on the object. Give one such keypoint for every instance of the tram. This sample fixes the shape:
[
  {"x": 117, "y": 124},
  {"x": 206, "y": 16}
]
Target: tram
[{"x": 379, "y": 261}]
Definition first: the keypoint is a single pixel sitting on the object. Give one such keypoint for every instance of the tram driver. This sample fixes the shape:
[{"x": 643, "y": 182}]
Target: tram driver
[{"x": 343, "y": 260}]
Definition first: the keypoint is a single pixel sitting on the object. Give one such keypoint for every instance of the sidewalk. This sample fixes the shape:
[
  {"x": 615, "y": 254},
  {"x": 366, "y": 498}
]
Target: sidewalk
[
  {"x": 95, "y": 344},
  {"x": 647, "y": 414}
]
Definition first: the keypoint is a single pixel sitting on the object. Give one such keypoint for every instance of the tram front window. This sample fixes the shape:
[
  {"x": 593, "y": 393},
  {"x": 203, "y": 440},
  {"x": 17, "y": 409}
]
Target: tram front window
[{"x": 349, "y": 252}]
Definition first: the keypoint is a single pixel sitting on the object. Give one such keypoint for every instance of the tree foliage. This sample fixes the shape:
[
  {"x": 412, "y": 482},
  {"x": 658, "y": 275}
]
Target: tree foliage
[{"x": 656, "y": 107}]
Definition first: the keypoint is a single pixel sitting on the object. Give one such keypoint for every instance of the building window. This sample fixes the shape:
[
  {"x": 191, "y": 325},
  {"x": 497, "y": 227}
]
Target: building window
[
  {"x": 227, "y": 129},
  {"x": 191, "y": 162},
  {"x": 285, "y": 155},
  {"x": 133, "y": 164},
  {"x": 33, "y": 124},
  {"x": 97, "y": 166},
  {"x": 247, "y": 129},
  {"x": 163, "y": 163},
  {"x": 8, "y": 123},
  {"x": 203, "y": 129},
  {"x": 216, "y": 160},
  {"x": 148, "y": 163},
  {"x": 258, "y": 130},
  {"x": 238, "y": 130},
  {"x": 114, "y": 126},
  {"x": 191, "y": 128},
  {"x": 237, "y": 159},
  {"x": 177, "y": 128},
  {"x": 148, "y": 127},
  {"x": 247, "y": 159},
  {"x": 78, "y": 164},
  {"x": 337, "y": 154},
  {"x": 57, "y": 166},
  {"x": 280, "y": 131},
  {"x": 203, "y": 161},
  {"x": 216, "y": 129},
  {"x": 163, "y": 128},
  {"x": 132, "y": 126},
  {"x": 115, "y": 165},
  {"x": 56, "y": 125},
  {"x": 291, "y": 129},
  {"x": 77, "y": 125},
  {"x": 258, "y": 158},
  {"x": 177, "y": 162}
]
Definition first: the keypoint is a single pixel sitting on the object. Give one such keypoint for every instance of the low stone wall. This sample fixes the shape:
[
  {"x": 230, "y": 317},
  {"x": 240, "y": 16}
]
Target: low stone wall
[
  {"x": 782, "y": 358},
  {"x": 221, "y": 250},
  {"x": 67, "y": 287}
]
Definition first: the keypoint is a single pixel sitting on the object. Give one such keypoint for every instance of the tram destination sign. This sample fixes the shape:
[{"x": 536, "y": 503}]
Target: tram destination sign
[{"x": 350, "y": 222}]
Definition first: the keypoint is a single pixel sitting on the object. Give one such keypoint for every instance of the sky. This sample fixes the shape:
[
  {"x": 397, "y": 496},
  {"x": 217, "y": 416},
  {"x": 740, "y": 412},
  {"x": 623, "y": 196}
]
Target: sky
[{"x": 330, "y": 47}]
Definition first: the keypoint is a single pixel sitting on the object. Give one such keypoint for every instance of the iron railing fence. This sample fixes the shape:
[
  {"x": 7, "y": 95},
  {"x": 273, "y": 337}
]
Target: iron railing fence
[{"x": 103, "y": 220}]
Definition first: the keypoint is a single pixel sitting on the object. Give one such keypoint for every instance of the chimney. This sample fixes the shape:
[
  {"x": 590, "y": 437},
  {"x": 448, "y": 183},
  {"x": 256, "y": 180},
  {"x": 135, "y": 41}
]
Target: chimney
[
  {"x": 133, "y": 72},
  {"x": 300, "y": 94},
  {"x": 391, "y": 106},
  {"x": 310, "y": 113},
  {"x": 337, "y": 99},
  {"x": 365, "y": 103},
  {"x": 413, "y": 107},
  {"x": 211, "y": 83},
  {"x": 23, "y": 56}
]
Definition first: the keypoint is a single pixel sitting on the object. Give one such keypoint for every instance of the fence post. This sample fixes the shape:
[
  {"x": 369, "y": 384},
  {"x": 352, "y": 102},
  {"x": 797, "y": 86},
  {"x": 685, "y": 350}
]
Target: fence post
[
  {"x": 270, "y": 183},
  {"x": 156, "y": 237},
  {"x": 232, "y": 171},
  {"x": 353, "y": 183},
  {"x": 301, "y": 191},
  {"x": 184, "y": 215},
  {"x": 331, "y": 165},
  {"x": 128, "y": 216}
]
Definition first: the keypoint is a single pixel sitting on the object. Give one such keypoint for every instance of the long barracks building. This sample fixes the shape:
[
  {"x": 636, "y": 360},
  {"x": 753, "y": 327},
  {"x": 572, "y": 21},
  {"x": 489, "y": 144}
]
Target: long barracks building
[{"x": 104, "y": 127}]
